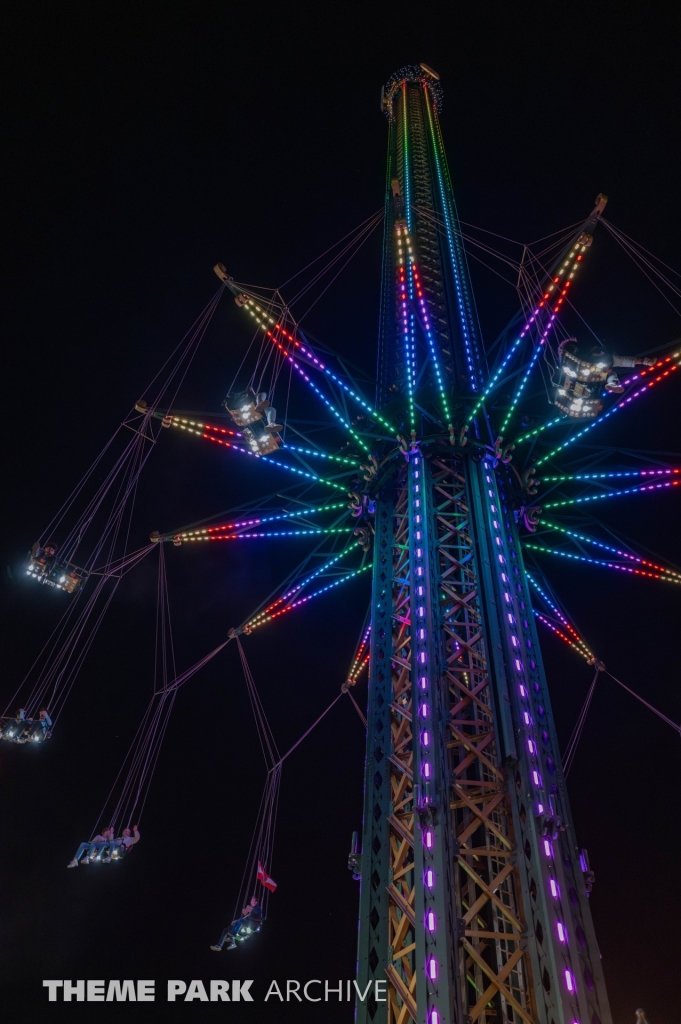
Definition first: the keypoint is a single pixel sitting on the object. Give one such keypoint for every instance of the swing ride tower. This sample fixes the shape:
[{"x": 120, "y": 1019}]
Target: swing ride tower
[{"x": 473, "y": 904}]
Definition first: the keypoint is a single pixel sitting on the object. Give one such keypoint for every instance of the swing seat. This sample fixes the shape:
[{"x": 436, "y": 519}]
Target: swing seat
[
  {"x": 264, "y": 442},
  {"x": 29, "y": 730},
  {"x": 54, "y": 572},
  {"x": 243, "y": 407},
  {"x": 580, "y": 385},
  {"x": 247, "y": 929}
]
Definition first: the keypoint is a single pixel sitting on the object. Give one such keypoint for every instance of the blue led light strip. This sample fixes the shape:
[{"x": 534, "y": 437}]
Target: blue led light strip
[
  {"x": 597, "y": 561},
  {"x": 606, "y": 547},
  {"x": 305, "y": 377},
  {"x": 612, "y": 494},
  {"x": 452, "y": 251},
  {"x": 256, "y": 521},
  {"x": 320, "y": 455},
  {"x": 558, "y": 612},
  {"x": 555, "y": 630},
  {"x": 608, "y": 476},
  {"x": 264, "y": 617},
  {"x": 271, "y": 461},
  {"x": 539, "y": 430},
  {"x": 285, "y": 533},
  {"x": 259, "y": 316}
]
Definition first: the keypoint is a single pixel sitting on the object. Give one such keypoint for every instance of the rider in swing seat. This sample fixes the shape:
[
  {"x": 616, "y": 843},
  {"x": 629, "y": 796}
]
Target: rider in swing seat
[
  {"x": 88, "y": 851},
  {"x": 243, "y": 927},
  {"x": 16, "y": 729},
  {"x": 41, "y": 727},
  {"x": 105, "y": 848}
]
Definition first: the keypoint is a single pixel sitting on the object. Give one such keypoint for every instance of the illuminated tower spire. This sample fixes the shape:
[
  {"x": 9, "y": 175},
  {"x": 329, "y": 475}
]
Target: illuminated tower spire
[{"x": 473, "y": 902}]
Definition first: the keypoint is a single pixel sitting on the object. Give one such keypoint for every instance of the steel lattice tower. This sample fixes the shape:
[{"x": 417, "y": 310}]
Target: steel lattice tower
[{"x": 473, "y": 903}]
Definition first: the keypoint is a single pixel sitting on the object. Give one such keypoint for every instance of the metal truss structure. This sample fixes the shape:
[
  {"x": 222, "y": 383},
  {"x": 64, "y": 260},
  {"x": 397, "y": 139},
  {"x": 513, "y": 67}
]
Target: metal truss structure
[{"x": 473, "y": 901}]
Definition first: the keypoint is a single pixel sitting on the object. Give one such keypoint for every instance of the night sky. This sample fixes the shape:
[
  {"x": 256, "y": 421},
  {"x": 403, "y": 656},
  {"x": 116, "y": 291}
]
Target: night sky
[{"x": 142, "y": 144}]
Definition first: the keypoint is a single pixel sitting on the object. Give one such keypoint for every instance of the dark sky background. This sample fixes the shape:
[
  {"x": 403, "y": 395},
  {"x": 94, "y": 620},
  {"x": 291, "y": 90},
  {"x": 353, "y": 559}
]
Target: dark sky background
[{"x": 141, "y": 145}]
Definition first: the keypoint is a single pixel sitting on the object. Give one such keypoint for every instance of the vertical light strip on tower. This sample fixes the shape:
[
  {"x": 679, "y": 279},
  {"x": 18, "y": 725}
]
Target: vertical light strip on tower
[{"x": 473, "y": 905}]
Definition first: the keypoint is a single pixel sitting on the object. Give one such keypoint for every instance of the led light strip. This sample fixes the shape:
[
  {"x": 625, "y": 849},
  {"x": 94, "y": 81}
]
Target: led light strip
[
  {"x": 558, "y": 632},
  {"x": 299, "y": 370},
  {"x": 321, "y": 455},
  {"x": 405, "y": 157},
  {"x": 277, "y": 533},
  {"x": 205, "y": 532},
  {"x": 406, "y": 316},
  {"x": 431, "y": 344},
  {"x": 560, "y": 615},
  {"x": 651, "y": 369},
  {"x": 525, "y": 666},
  {"x": 575, "y": 266},
  {"x": 611, "y": 494},
  {"x": 299, "y": 586},
  {"x": 538, "y": 430},
  {"x": 537, "y": 312},
  {"x": 452, "y": 250},
  {"x": 184, "y": 424},
  {"x": 610, "y": 412},
  {"x": 359, "y": 661},
  {"x": 322, "y": 366},
  {"x": 607, "y": 547},
  {"x": 259, "y": 315},
  {"x": 516, "y": 397},
  {"x": 608, "y": 476},
  {"x": 262, "y": 458},
  {"x": 596, "y": 561},
  {"x": 303, "y": 600}
]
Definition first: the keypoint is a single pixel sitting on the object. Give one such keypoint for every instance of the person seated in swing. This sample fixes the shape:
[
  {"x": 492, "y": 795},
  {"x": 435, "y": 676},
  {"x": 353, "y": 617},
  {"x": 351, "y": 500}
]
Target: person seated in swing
[
  {"x": 584, "y": 377},
  {"x": 16, "y": 729},
  {"x": 42, "y": 557},
  {"x": 123, "y": 844},
  {"x": 41, "y": 727},
  {"x": 244, "y": 926},
  {"x": 87, "y": 852}
]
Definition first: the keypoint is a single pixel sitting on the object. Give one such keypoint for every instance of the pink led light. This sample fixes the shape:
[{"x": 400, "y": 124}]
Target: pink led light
[
  {"x": 425, "y": 738},
  {"x": 430, "y": 878},
  {"x": 553, "y": 886},
  {"x": 428, "y": 839},
  {"x": 536, "y": 779},
  {"x": 569, "y": 981},
  {"x": 540, "y": 808},
  {"x": 423, "y": 682},
  {"x": 523, "y": 691},
  {"x": 434, "y": 1017},
  {"x": 430, "y": 921},
  {"x": 548, "y": 850},
  {"x": 530, "y": 746},
  {"x": 432, "y": 970},
  {"x": 562, "y": 933},
  {"x": 426, "y": 771},
  {"x": 422, "y": 657}
]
